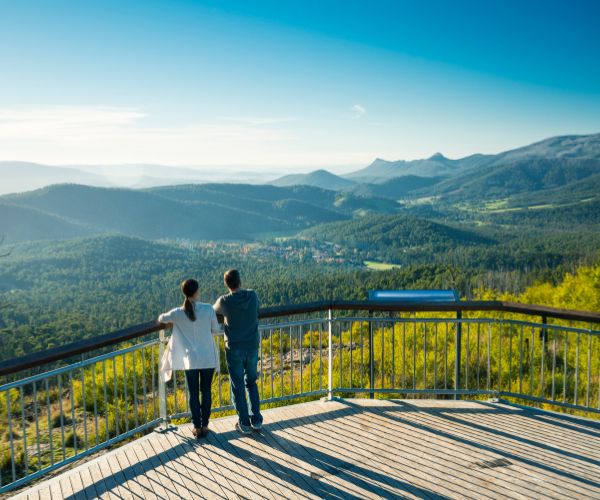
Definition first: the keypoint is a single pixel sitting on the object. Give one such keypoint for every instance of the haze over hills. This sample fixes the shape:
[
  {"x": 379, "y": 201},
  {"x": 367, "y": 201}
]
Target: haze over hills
[
  {"x": 19, "y": 176},
  {"x": 192, "y": 212}
]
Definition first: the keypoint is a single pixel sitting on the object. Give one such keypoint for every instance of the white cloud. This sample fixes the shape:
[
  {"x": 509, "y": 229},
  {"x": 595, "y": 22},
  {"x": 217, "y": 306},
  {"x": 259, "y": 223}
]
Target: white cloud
[
  {"x": 30, "y": 121},
  {"x": 358, "y": 111},
  {"x": 258, "y": 121},
  {"x": 95, "y": 134}
]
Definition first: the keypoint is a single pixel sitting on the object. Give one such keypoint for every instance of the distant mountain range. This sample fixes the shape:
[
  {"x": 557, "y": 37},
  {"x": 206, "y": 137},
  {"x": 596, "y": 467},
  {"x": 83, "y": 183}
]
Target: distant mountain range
[
  {"x": 436, "y": 166},
  {"x": 548, "y": 164},
  {"x": 558, "y": 176},
  {"x": 18, "y": 176}
]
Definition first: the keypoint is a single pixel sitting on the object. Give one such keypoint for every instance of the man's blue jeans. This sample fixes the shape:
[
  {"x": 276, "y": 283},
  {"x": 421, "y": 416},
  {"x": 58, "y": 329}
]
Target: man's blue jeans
[{"x": 243, "y": 375}]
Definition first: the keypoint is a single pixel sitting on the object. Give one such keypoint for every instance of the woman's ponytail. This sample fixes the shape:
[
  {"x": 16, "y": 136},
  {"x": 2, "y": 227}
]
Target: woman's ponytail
[{"x": 189, "y": 288}]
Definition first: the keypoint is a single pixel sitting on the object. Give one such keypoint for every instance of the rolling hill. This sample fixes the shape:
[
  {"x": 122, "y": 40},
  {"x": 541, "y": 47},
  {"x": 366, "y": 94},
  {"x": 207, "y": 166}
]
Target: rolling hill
[
  {"x": 146, "y": 215},
  {"x": 20, "y": 223},
  {"x": 193, "y": 212},
  {"x": 318, "y": 178},
  {"x": 18, "y": 176},
  {"x": 572, "y": 217},
  {"x": 394, "y": 188},
  {"x": 515, "y": 176},
  {"x": 584, "y": 190},
  {"x": 393, "y": 232},
  {"x": 259, "y": 198}
]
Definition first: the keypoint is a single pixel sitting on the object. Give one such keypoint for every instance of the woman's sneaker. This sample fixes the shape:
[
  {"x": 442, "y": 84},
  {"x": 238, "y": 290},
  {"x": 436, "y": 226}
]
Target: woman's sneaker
[
  {"x": 256, "y": 427},
  {"x": 243, "y": 429}
]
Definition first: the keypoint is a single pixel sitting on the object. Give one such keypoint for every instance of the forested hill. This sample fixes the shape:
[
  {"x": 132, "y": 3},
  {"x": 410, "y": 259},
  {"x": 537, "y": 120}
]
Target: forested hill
[
  {"x": 528, "y": 175},
  {"x": 194, "y": 212},
  {"x": 397, "y": 232}
]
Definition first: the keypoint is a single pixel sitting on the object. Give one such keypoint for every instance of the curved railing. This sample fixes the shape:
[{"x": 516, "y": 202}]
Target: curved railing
[{"x": 494, "y": 349}]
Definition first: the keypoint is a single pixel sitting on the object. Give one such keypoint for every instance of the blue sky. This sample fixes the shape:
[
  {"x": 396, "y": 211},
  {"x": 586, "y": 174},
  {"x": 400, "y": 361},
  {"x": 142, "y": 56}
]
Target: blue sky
[{"x": 291, "y": 85}]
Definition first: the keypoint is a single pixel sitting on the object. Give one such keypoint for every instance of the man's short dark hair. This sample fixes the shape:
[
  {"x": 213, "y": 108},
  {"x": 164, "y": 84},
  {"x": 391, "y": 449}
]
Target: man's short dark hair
[{"x": 232, "y": 279}]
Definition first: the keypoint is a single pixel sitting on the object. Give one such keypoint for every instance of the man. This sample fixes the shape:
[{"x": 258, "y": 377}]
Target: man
[{"x": 240, "y": 311}]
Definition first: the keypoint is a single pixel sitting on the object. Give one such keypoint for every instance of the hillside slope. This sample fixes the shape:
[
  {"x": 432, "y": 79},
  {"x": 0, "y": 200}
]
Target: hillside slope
[{"x": 318, "y": 178}]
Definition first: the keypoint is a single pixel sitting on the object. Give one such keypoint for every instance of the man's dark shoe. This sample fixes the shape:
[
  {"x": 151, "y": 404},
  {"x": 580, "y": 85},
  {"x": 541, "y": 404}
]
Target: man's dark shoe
[{"x": 243, "y": 429}]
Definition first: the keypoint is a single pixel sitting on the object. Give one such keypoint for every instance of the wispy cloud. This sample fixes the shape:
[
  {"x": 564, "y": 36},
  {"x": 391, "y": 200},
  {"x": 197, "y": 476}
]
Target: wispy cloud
[
  {"x": 58, "y": 119},
  {"x": 258, "y": 121},
  {"x": 358, "y": 111},
  {"x": 92, "y": 134}
]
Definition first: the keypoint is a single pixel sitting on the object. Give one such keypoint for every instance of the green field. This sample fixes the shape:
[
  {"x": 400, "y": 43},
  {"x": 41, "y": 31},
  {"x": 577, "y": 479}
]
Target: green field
[{"x": 380, "y": 266}]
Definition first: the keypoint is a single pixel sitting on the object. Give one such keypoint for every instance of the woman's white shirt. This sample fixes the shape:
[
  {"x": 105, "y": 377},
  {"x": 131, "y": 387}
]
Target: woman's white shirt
[{"x": 191, "y": 344}]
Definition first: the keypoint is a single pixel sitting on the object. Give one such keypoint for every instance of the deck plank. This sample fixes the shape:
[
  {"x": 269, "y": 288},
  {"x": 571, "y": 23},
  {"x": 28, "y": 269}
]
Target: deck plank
[
  {"x": 530, "y": 465},
  {"x": 193, "y": 469},
  {"x": 258, "y": 458},
  {"x": 219, "y": 473},
  {"x": 353, "y": 438},
  {"x": 336, "y": 466},
  {"x": 249, "y": 476},
  {"x": 77, "y": 486},
  {"x": 132, "y": 483},
  {"x": 355, "y": 448},
  {"x": 88, "y": 484},
  {"x": 423, "y": 457},
  {"x": 162, "y": 482},
  {"x": 148, "y": 465}
]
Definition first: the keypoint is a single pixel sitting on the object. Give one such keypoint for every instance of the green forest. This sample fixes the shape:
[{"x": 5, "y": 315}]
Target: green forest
[
  {"x": 54, "y": 293},
  {"x": 89, "y": 405}
]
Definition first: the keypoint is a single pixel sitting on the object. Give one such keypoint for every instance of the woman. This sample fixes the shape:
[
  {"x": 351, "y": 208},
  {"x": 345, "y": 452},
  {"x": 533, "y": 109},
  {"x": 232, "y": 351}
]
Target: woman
[{"x": 193, "y": 349}]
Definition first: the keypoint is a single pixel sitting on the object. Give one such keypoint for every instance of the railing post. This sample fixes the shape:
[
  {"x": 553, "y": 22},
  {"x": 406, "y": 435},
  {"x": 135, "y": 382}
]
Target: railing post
[
  {"x": 544, "y": 332},
  {"x": 162, "y": 386},
  {"x": 371, "y": 358},
  {"x": 330, "y": 356},
  {"x": 458, "y": 347}
]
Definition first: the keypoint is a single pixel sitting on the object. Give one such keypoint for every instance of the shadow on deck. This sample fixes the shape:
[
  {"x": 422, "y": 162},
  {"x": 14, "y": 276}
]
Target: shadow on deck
[{"x": 355, "y": 448}]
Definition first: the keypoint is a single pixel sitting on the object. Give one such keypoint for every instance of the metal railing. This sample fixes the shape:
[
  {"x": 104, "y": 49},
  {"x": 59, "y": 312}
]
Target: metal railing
[{"x": 53, "y": 418}]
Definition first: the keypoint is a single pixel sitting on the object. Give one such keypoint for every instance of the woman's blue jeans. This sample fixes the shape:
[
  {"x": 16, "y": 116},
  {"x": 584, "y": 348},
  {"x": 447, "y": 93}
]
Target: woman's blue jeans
[
  {"x": 242, "y": 365},
  {"x": 200, "y": 381}
]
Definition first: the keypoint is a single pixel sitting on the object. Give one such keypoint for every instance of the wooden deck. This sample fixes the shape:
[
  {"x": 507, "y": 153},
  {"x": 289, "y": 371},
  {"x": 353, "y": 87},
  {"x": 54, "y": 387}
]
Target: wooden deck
[{"x": 354, "y": 448}]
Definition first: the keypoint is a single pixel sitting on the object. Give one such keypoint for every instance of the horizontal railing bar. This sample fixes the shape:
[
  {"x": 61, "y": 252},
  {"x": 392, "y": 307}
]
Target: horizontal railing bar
[
  {"x": 546, "y": 326},
  {"x": 74, "y": 458},
  {"x": 294, "y": 396},
  {"x": 548, "y": 401},
  {"x": 76, "y": 366},
  {"x": 474, "y": 305},
  {"x": 57, "y": 353},
  {"x": 566, "y": 416},
  {"x": 450, "y": 392},
  {"x": 80, "y": 347},
  {"x": 287, "y": 324}
]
